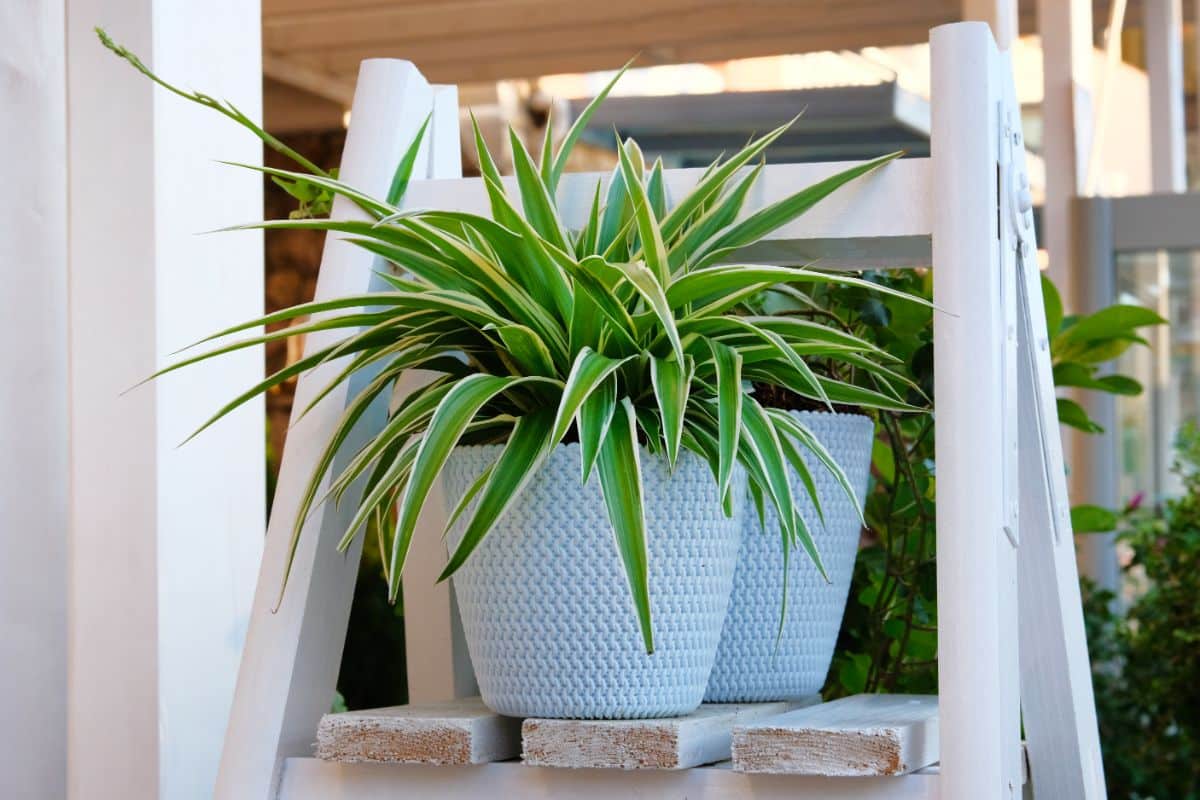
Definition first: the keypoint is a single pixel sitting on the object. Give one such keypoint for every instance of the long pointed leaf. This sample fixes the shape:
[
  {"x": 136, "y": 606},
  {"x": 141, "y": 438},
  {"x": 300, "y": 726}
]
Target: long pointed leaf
[
  {"x": 653, "y": 249},
  {"x": 728, "y": 364},
  {"x": 589, "y": 371},
  {"x": 778, "y": 214},
  {"x": 518, "y": 463},
  {"x": 594, "y": 418},
  {"x": 535, "y": 197},
  {"x": 577, "y": 128},
  {"x": 621, "y": 483},
  {"x": 405, "y": 168},
  {"x": 671, "y": 381},
  {"x": 454, "y": 413}
]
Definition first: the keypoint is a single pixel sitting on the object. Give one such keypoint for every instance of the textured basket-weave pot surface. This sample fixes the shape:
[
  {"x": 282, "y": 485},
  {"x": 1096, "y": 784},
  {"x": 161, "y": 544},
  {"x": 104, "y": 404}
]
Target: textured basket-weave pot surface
[
  {"x": 749, "y": 666},
  {"x": 545, "y": 603}
]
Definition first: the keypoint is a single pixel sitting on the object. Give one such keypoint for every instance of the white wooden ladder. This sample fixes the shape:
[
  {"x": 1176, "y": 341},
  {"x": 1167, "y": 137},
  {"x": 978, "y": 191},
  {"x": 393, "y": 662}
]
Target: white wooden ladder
[{"x": 1010, "y": 626}]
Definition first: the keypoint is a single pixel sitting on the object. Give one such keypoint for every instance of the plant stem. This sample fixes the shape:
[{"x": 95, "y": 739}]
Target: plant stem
[{"x": 227, "y": 108}]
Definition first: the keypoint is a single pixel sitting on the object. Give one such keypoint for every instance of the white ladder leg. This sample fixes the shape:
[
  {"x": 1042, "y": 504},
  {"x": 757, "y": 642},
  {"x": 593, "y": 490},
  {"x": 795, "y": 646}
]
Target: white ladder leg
[
  {"x": 290, "y": 665},
  {"x": 977, "y": 566},
  {"x": 439, "y": 667}
]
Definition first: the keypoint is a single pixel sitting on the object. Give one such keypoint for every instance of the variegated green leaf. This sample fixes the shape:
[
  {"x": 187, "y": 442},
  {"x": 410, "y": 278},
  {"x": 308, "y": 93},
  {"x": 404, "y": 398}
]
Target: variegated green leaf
[
  {"x": 578, "y": 127},
  {"x": 404, "y": 169},
  {"x": 653, "y": 250},
  {"x": 593, "y": 420},
  {"x": 671, "y": 381},
  {"x": 456, "y": 410},
  {"x": 621, "y": 483},
  {"x": 527, "y": 447},
  {"x": 588, "y": 372},
  {"x": 728, "y": 363}
]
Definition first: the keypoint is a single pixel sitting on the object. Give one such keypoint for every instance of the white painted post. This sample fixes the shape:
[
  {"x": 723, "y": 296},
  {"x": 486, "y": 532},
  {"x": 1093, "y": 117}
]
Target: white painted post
[
  {"x": 1068, "y": 63},
  {"x": 1196, "y": 76},
  {"x": 1000, "y": 15},
  {"x": 977, "y": 570},
  {"x": 1066, "y": 32},
  {"x": 33, "y": 407},
  {"x": 163, "y": 542},
  {"x": 289, "y": 669},
  {"x": 1162, "y": 22}
]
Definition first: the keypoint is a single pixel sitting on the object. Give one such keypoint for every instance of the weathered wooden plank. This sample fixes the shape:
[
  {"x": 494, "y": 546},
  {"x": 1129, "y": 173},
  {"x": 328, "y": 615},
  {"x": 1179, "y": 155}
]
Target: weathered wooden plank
[
  {"x": 855, "y": 736},
  {"x": 313, "y": 779},
  {"x": 701, "y": 737},
  {"x": 455, "y": 733},
  {"x": 878, "y": 221}
]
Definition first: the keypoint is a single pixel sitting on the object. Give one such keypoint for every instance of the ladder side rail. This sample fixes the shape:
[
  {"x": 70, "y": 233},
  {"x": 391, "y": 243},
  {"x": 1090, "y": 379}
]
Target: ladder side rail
[
  {"x": 439, "y": 667},
  {"x": 290, "y": 663},
  {"x": 1062, "y": 738},
  {"x": 977, "y": 571}
]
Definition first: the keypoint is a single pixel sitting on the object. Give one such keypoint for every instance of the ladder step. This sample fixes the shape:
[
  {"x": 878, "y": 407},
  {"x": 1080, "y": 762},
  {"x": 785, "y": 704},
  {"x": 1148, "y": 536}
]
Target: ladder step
[
  {"x": 454, "y": 733},
  {"x": 702, "y": 737},
  {"x": 863, "y": 735}
]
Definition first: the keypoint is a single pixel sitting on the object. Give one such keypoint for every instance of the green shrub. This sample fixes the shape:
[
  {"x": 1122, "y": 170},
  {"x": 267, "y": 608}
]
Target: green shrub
[
  {"x": 888, "y": 641},
  {"x": 1146, "y": 663}
]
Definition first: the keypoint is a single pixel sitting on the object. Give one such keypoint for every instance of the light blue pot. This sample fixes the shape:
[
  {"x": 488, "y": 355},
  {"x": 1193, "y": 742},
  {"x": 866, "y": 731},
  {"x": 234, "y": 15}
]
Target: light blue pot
[
  {"x": 749, "y": 666},
  {"x": 545, "y": 604}
]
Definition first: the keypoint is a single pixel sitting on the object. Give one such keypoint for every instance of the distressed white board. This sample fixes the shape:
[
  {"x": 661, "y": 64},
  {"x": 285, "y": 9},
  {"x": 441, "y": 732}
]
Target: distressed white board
[
  {"x": 313, "y": 779},
  {"x": 870, "y": 222},
  {"x": 460, "y": 732},
  {"x": 1055, "y": 675},
  {"x": 701, "y": 737},
  {"x": 867, "y": 734}
]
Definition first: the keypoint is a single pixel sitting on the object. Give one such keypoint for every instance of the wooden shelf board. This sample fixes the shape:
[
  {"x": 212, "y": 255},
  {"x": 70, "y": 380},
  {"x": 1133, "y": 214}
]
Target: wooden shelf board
[{"x": 314, "y": 779}]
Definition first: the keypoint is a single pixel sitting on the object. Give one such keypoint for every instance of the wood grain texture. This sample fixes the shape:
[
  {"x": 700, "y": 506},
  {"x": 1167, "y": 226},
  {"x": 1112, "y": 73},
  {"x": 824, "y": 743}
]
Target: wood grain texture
[
  {"x": 853, "y": 737},
  {"x": 455, "y": 733},
  {"x": 702, "y": 737}
]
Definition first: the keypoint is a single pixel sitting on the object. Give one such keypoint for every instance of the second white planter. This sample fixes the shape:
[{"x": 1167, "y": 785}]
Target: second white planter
[{"x": 750, "y": 666}]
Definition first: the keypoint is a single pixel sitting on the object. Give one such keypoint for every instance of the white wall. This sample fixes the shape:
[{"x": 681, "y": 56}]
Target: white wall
[
  {"x": 33, "y": 374},
  {"x": 164, "y": 542},
  {"x": 212, "y": 494},
  {"x": 126, "y": 566}
]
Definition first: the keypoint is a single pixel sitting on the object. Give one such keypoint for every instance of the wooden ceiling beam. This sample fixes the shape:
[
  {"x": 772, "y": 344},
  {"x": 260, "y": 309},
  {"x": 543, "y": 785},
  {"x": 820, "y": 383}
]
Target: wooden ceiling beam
[
  {"x": 445, "y": 64},
  {"x": 310, "y": 79},
  {"x": 455, "y": 19},
  {"x": 287, "y": 110}
]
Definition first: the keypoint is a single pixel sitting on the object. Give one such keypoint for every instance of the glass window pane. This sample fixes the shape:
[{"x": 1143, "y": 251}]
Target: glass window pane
[{"x": 1169, "y": 370}]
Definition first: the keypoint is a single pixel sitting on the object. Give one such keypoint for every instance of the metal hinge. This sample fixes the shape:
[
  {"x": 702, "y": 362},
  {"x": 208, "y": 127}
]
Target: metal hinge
[{"x": 1015, "y": 221}]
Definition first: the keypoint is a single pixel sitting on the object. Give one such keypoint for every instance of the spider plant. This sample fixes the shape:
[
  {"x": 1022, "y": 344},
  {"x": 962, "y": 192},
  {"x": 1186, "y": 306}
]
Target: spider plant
[{"x": 629, "y": 333}]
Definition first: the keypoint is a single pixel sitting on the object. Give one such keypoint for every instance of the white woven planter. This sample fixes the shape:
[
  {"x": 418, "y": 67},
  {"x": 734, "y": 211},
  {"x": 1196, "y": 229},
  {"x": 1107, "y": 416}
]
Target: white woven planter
[
  {"x": 545, "y": 604},
  {"x": 749, "y": 666}
]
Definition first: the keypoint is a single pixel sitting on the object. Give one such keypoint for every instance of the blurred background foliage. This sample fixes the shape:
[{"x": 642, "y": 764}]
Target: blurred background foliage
[
  {"x": 888, "y": 641},
  {"x": 1146, "y": 650}
]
